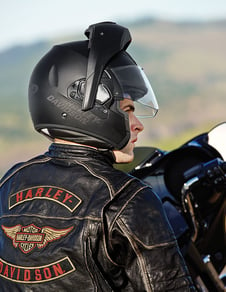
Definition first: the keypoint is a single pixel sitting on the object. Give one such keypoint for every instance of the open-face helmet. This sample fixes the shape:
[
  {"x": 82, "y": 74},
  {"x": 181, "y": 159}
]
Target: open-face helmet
[{"x": 76, "y": 88}]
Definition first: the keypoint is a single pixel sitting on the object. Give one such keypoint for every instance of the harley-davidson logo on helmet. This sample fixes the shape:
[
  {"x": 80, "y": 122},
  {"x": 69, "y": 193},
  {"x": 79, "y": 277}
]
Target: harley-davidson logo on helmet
[{"x": 30, "y": 236}]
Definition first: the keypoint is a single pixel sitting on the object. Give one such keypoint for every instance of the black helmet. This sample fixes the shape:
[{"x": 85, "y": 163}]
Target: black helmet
[{"x": 76, "y": 87}]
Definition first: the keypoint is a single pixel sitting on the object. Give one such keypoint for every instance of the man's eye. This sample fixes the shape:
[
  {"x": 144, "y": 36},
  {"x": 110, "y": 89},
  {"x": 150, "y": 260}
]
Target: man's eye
[{"x": 129, "y": 109}]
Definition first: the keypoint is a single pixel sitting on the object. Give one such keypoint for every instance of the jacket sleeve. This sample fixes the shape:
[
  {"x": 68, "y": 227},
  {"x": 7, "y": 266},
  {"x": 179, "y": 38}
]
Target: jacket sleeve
[{"x": 141, "y": 244}]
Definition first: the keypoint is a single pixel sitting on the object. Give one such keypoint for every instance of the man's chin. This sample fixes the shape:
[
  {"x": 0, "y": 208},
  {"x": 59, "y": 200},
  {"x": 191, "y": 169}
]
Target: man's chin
[{"x": 122, "y": 157}]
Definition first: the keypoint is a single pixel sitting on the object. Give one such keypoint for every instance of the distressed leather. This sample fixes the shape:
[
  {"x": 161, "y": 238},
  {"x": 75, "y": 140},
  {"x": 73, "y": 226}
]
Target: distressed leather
[{"x": 69, "y": 221}]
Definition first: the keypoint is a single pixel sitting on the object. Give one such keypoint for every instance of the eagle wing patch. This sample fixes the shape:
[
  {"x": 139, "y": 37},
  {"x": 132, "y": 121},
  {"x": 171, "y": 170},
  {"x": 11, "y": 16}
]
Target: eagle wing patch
[
  {"x": 30, "y": 236},
  {"x": 11, "y": 232},
  {"x": 52, "y": 234}
]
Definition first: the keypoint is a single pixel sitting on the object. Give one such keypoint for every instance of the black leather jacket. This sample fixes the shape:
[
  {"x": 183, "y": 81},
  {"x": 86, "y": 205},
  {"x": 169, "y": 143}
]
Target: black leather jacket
[{"x": 71, "y": 222}]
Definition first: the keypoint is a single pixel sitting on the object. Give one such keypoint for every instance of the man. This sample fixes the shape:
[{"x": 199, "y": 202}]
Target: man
[{"x": 69, "y": 220}]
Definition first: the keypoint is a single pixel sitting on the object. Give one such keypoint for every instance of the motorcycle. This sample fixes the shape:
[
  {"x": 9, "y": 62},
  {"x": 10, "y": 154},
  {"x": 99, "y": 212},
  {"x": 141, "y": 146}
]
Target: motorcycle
[{"x": 191, "y": 182}]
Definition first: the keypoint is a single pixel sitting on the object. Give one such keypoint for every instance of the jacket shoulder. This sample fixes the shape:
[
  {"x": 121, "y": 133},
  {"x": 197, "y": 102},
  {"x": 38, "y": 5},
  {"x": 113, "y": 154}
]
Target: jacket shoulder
[
  {"x": 136, "y": 204},
  {"x": 17, "y": 167}
]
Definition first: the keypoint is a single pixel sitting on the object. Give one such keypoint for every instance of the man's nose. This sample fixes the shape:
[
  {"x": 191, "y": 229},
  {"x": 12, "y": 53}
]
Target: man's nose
[{"x": 137, "y": 125}]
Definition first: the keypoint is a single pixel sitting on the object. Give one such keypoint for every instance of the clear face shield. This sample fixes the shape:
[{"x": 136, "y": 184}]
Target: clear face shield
[{"x": 136, "y": 86}]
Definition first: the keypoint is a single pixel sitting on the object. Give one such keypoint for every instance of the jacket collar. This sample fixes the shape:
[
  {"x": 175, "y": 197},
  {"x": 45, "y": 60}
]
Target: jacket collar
[{"x": 68, "y": 151}]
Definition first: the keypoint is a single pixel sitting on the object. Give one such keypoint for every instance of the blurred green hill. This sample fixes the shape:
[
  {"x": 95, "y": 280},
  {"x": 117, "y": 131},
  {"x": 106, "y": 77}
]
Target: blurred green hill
[{"x": 185, "y": 61}]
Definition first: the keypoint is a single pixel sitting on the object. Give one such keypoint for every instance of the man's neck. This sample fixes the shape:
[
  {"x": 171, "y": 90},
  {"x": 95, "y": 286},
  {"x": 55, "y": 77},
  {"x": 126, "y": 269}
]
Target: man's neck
[{"x": 61, "y": 141}]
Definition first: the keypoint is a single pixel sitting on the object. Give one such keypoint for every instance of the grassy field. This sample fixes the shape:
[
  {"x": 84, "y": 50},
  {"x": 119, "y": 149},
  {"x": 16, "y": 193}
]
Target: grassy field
[{"x": 15, "y": 150}]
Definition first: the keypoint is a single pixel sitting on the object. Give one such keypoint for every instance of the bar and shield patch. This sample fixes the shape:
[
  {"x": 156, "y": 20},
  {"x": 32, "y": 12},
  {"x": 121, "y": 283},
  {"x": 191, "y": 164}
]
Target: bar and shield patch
[{"x": 26, "y": 238}]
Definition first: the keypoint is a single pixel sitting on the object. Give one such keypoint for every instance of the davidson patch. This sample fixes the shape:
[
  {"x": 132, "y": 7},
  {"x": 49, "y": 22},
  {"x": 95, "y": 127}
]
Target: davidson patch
[
  {"x": 30, "y": 275},
  {"x": 58, "y": 195},
  {"x": 31, "y": 236}
]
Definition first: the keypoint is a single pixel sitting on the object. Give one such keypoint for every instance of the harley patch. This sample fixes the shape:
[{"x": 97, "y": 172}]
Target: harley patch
[
  {"x": 26, "y": 238},
  {"x": 30, "y": 275},
  {"x": 58, "y": 195}
]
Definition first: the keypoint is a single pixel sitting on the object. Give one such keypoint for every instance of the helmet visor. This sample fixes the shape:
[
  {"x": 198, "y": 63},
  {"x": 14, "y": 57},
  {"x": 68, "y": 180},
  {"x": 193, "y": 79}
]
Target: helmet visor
[{"x": 136, "y": 86}]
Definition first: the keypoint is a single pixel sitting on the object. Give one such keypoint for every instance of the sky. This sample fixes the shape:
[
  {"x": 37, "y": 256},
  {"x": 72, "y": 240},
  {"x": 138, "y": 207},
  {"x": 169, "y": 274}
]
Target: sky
[{"x": 27, "y": 21}]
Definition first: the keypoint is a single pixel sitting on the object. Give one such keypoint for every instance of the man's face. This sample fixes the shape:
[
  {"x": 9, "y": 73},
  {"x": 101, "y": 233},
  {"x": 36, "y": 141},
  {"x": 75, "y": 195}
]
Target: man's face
[{"x": 126, "y": 154}]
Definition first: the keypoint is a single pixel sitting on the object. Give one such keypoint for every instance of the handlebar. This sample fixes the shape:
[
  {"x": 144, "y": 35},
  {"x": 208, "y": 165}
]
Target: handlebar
[{"x": 209, "y": 173}]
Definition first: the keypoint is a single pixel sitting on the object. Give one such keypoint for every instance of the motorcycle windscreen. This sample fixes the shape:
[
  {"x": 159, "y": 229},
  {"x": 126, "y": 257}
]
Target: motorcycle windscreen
[{"x": 217, "y": 139}]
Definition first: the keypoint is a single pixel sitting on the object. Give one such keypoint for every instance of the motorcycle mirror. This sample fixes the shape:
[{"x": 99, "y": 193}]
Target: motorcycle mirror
[{"x": 217, "y": 139}]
